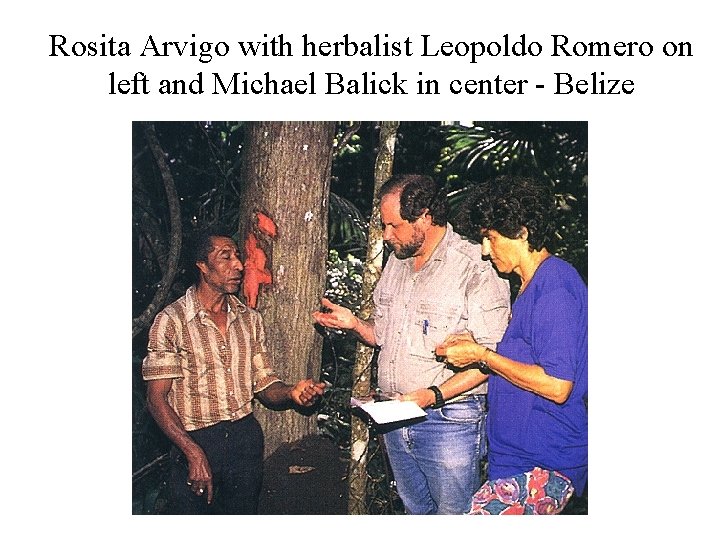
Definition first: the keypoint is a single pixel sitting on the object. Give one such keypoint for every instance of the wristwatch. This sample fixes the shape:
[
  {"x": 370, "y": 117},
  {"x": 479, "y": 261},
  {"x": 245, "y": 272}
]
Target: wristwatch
[
  {"x": 439, "y": 400},
  {"x": 483, "y": 367}
]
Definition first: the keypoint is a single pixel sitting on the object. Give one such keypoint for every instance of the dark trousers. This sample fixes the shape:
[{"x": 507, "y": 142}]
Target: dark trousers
[{"x": 235, "y": 452}]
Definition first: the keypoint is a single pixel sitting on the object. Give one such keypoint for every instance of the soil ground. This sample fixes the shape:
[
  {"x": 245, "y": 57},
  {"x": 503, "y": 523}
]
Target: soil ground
[
  {"x": 304, "y": 478},
  {"x": 309, "y": 477}
]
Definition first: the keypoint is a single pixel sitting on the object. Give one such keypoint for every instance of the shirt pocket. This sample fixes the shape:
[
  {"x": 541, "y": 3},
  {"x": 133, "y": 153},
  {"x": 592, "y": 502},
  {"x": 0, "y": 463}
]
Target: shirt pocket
[
  {"x": 381, "y": 317},
  {"x": 432, "y": 324}
]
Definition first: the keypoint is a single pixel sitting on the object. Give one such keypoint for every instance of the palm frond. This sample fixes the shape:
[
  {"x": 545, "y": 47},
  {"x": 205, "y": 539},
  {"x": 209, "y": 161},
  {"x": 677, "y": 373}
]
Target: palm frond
[{"x": 551, "y": 149}]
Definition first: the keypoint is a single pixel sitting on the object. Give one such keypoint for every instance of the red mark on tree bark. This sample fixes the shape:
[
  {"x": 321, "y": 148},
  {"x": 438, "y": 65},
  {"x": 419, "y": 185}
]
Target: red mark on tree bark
[
  {"x": 266, "y": 225},
  {"x": 255, "y": 272}
]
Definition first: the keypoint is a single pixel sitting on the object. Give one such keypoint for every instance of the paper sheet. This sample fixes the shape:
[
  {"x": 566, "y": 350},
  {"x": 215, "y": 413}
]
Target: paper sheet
[{"x": 393, "y": 410}]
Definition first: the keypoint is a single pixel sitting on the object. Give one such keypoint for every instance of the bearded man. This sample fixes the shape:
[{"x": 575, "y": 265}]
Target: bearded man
[{"x": 435, "y": 283}]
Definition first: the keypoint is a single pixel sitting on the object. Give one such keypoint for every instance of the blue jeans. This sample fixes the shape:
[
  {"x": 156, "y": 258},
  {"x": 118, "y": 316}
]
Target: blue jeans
[{"x": 436, "y": 462}]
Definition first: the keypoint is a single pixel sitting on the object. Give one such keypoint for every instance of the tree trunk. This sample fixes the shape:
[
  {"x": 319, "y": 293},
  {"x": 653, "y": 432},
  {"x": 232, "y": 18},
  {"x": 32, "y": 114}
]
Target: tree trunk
[
  {"x": 363, "y": 359},
  {"x": 286, "y": 176}
]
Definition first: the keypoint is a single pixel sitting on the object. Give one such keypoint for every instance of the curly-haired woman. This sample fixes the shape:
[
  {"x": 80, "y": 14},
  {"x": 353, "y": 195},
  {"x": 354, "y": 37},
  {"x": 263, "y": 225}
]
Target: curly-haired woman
[{"x": 537, "y": 394}]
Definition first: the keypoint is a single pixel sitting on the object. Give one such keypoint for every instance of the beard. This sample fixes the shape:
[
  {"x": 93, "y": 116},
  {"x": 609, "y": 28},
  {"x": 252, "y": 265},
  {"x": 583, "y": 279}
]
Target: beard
[{"x": 409, "y": 249}]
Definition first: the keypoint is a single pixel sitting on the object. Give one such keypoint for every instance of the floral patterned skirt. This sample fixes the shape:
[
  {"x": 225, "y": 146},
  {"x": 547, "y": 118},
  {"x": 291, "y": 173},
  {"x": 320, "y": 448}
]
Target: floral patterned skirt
[{"x": 538, "y": 492}]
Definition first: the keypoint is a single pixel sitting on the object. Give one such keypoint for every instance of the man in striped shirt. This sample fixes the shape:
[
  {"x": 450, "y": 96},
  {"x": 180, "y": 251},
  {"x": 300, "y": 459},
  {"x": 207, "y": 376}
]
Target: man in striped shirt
[{"x": 206, "y": 362}]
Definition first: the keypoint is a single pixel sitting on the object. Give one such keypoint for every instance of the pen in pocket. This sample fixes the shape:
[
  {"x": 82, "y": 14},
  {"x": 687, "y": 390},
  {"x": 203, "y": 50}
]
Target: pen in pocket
[{"x": 425, "y": 325}]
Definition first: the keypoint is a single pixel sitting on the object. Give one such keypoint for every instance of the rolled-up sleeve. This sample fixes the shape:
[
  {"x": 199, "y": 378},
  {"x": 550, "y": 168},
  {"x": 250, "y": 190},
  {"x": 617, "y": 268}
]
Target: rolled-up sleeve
[
  {"x": 163, "y": 358},
  {"x": 263, "y": 374},
  {"x": 488, "y": 305}
]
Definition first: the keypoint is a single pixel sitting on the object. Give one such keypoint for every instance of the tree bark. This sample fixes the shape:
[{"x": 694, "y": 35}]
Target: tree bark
[
  {"x": 286, "y": 176},
  {"x": 359, "y": 435}
]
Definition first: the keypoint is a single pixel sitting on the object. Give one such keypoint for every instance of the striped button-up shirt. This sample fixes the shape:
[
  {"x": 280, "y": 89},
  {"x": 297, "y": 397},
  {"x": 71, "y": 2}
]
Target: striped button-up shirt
[
  {"x": 214, "y": 378},
  {"x": 454, "y": 291}
]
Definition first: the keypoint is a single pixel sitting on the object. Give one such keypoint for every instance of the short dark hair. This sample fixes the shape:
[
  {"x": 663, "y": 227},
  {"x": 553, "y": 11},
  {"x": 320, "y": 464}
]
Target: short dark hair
[
  {"x": 417, "y": 193},
  {"x": 202, "y": 242},
  {"x": 200, "y": 246},
  {"x": 506, "y": 204}
]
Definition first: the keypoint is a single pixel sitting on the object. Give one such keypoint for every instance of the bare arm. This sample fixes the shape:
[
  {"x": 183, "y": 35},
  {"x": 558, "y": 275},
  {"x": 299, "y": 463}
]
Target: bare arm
[
  {"x": 199, "y": 473},
  {"x": 304, "y": 393},
  {"x": 461, "y": 352},
  {"x": 339, "y": 317},
  {"x": 454, "y": 386}
]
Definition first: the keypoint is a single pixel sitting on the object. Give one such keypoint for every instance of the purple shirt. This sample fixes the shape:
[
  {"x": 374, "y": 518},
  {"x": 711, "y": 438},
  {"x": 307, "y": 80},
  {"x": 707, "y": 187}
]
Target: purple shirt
[{"x": 548, "y": 328}]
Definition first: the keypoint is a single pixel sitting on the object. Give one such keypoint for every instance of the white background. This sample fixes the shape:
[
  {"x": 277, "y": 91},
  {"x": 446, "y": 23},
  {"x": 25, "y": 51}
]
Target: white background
[{"x": 66, "y": 228}]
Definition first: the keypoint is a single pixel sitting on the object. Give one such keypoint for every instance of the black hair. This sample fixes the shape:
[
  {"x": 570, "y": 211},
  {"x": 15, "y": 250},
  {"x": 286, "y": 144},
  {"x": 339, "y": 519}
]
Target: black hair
[
  {"x": 417, "y": 193},
  {"x": 201, "y": 244},
  {"x": 506, "y": 204}
]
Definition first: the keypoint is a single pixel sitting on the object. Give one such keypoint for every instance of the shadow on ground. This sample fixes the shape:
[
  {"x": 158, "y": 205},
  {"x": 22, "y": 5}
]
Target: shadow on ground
[{"x": 306, "y": 477}]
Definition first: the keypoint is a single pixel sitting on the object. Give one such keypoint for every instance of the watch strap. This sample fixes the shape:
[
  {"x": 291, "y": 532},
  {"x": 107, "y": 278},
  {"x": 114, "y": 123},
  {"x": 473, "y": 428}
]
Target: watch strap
[
  {"x": 439, "y": 400},
  {"x": 483, "y": 367}
]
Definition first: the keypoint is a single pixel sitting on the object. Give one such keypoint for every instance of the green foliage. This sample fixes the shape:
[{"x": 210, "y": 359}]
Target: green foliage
[
  {"x": 204, "y": 158},
  {"x": 347, "y": 228},
  {"x": 417, "y": 151},
  {"x": 555, "y": 151},
  {"x": 344, "y": 287},
  {"x": 344, "y": 279}
]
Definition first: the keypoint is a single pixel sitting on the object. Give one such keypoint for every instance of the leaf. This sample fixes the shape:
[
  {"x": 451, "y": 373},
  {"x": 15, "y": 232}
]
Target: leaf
[{"x": 299, "y": 469}]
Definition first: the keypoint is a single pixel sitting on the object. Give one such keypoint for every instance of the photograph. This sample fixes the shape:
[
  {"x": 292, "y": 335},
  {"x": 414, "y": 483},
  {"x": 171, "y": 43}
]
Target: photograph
[{"x": 360, "y": 317}]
